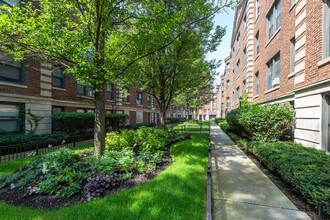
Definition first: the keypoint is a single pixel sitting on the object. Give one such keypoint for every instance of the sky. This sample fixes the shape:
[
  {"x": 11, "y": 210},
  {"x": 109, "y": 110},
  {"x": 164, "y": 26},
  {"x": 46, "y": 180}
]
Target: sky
[{"x": 223, "y": 19}]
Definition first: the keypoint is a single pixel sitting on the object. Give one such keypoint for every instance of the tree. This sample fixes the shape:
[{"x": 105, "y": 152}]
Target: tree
[{"x": 179, "y": 68}]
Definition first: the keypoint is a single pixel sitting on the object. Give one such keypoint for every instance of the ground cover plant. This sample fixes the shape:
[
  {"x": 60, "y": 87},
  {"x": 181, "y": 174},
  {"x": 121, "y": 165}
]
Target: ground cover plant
[
  {"x": 64, "y": 173},
  {"x": 179, "y": 192},
  {"x": 306, "y": 169},
  {"x": 192, "y": 126}
]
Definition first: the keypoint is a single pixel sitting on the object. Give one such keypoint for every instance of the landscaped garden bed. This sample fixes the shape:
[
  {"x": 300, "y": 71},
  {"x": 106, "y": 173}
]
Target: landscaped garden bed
[{"x": 177, "y": 192}]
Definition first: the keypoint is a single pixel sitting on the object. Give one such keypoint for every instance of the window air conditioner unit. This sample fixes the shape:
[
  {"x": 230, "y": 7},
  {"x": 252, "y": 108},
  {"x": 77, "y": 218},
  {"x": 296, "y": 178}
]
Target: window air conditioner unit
[{"x": 276, "y": 82}]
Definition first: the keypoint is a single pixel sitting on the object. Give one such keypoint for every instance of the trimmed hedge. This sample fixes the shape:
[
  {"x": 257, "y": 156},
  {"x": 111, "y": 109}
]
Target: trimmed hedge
[
  {"x": 262, "y": 123},
  {"x": 138, "y": 125},
  {"x": 174, "y": 120},
  {"x": 307, "y": 169},
  {"x": 81, "y": 122},
  {"x": 12, "y": 139},
  {"x": 219, "y": 120}
]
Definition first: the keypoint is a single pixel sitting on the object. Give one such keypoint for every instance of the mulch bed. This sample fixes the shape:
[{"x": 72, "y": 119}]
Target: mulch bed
[{"x": 17, "y": 197}]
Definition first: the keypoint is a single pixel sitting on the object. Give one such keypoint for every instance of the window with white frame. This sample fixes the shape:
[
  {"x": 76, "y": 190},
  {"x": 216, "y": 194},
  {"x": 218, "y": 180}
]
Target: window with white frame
[
  {"x": 326, "y": 29},
  {"x": 257, "y": 7},
  {"x": 228, "y": 85},
  {"x": 256, "y": 84},
  {"x": 245, "y": 57},
  {"x": 238, "y": 41},
  {"x": 274, "y": 19},
  {"x": 273, "y": 72},
  {"x": 222, "y": 94},
  {"x": 257, "y": 44},
  {"x": 139, "y": 98},
  {"x": 245, "y": 25},
  {"x": 126, "y": 95},
  {"x": 244, "y": 87},
  {"x": 9, "y": 115},
  {"x": 237, "y": 67},
  {"x": 227, "y": 102},
  {"x": 292, "y": 55},
  {"x": 237, "y": 94},
  {"x": 11, "y": 71}
]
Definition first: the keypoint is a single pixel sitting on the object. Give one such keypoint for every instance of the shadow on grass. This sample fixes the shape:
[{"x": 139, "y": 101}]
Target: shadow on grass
[{"x": 179, "y": 192}]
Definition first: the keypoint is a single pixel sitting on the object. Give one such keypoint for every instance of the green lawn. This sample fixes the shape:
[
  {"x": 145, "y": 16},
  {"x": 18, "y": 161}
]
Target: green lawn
[
  {"x": 179, "y": 192},
  {"x": 192, "y": 127}
]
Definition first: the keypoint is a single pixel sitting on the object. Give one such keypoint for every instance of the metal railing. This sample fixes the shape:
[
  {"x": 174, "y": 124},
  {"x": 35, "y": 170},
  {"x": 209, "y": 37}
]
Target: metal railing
[{"x": 19, "y": 151}]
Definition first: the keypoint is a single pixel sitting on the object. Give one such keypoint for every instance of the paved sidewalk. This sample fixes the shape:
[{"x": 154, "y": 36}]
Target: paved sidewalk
[{"x": 240, "y": 190}]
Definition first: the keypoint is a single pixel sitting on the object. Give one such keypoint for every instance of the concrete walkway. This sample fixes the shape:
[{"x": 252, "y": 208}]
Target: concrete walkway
[{"x": 241, "y": 190}]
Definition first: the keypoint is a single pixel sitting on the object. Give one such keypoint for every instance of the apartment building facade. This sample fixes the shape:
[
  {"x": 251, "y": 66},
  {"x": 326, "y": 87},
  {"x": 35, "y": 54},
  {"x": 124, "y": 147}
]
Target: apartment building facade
[
  {"x": 44, "y": 89},
  {"x": 280, "y": 53}
]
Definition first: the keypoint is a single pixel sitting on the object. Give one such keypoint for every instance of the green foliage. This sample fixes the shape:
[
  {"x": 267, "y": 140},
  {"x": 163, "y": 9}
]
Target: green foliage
[
  {"x": 114, "y": 161},
  {"x": 151, "y": 139},
  {"x": 116, "y": 141},
  {"x": 266, "y": 123},
  {"x": 33, "y": 121},
  {"x": 305, "y": 168},
  {"x": 174, "y": 120},
  {"x": 138, "y": 125},
  {"x": 29, "y": 138},
  {"x": 20, "y": 118},
  {"x": 219, "y": 120},
  {"x": 72, "y": 122}
]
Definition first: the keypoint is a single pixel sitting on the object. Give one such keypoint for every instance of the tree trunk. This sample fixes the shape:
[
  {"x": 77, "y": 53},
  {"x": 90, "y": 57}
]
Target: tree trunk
[
  {"x": 99, "y": 124},
  {"x": 162, "y": 119}
]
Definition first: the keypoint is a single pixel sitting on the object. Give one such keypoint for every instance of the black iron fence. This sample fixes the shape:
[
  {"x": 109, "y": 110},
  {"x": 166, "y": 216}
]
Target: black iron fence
[{"x": 19, "y": 151}]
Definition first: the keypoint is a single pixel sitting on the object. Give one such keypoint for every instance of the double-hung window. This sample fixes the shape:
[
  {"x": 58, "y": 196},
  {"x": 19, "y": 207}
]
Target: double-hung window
[
  {"x": 110, "y": 92},
  {"x": 257, "y": 45},
  {"x": 149, "y": 100},
  {"x": 238, "y": 41},
  {"x": 85, "y": 90},
  {"x": 245, "y": 58},
  {"x": 11, "y": 71},
  {"x": 58, "y": 78},
  {"x": 237, "y": 68},
  {"x": 127, "y": 95},
  {"x": 237, "y": 94},
  {"x": 256, "y": 84},
  {"x": 292, "y": 55},
  {"x": 228, "y": 85},
  {"x": 257, "y": 7},
  {"x": 273, "y": 72},
  {"x": 274, "y": 19},
  {"x": 326, "y": 29},
  {"x": 139, "y": 98}
]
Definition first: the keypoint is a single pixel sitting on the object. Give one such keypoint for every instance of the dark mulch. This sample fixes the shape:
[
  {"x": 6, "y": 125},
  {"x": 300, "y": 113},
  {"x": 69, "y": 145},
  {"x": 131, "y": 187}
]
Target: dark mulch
[
  {"x": 17, "y": 197},
  {"x": 296, "y": 198}
]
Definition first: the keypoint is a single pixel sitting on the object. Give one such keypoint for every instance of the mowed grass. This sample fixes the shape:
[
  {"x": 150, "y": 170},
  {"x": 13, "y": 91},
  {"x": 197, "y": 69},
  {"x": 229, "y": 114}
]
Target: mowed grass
[
  {"x": 178, "y": 192},
  {"x": 189, "y": 127}
]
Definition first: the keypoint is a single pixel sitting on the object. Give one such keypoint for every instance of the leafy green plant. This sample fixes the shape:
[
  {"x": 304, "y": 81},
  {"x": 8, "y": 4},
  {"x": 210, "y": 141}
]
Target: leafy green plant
[
  {"x": 33, "y": 121},
  {"x": 138, "y": 125},
  {"x": 29, "y": 138},
  {"x": 306, "y": 169}
]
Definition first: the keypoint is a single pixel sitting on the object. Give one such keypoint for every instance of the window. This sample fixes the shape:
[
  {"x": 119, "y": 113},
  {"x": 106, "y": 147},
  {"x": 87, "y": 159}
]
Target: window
[
  {"x": 139, "y": 99},
  {"x": 127, "y": 95},
  {"x": 85, "y": 90},
  {"x": 256, "y": 84},
  {"x": 110, "y": 92},
  {"x": 238, "y": 41},
  {"x": 10, "y": 70},
  {"x": 58, "y": 78},
  {"x": 326, "y": 29},
  {"x": 245, "y": 25},
  {"x": 293, "y": 2},
  {"x": 227, "y": 67},
  {"x": 237, "y": 94},
  {"x": 237, "y": 68},
  {"x": 227, "y": 102},
  {"x": 244, "y": 87},
  {"x": 57, "y": 109},
  {"x": 274, "y": 19},
  {"x": 8, "y": 118},
  {"x": 257, "y": 44},
  {"x": 228, "y": 85},
  {"x": 149, "y": 100},
  {"x": 222, "y": 94},
  {"x": 222, "y": 81},
  {"x": 292, "y": 55},
  {"x": 273, "y": 72},
  {"x": 257, "y": 7},
  {"x": 245, "y": 58}
]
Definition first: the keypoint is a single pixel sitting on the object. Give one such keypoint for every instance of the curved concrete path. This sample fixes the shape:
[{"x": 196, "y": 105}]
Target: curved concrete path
[{"x": 240, "y": 190}]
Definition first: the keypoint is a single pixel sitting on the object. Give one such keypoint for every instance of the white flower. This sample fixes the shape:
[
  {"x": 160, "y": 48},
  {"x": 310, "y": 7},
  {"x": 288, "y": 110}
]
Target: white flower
[{"x": 44, "y": 168}]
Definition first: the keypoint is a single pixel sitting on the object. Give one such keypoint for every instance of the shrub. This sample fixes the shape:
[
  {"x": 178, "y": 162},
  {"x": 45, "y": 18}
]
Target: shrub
[
  {"x": 266, "y": 123},
  {"x": 174, "y": 120},
  {"x": 80, "y": 122},
  {"x": 138, "y": 125},
  {"x": 306, "y": 169},
  {"x": 219, "y": 120},
  {"x": 116, "y": 141},
  {"x": 151, "y": 139},
  {"x": 114, "y": 161},
  {"x": 11, "y": 139}
]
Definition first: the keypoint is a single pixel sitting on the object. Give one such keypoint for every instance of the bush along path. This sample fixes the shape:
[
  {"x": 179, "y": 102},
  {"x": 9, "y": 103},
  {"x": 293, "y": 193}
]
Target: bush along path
[{"x": 64, "y": 177}]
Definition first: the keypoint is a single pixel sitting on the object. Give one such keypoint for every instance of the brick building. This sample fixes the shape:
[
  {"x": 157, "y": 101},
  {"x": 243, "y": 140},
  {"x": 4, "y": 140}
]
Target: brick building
[
  {"x": 280, "y": 53},
  {"x": 44, "y": 89}
]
